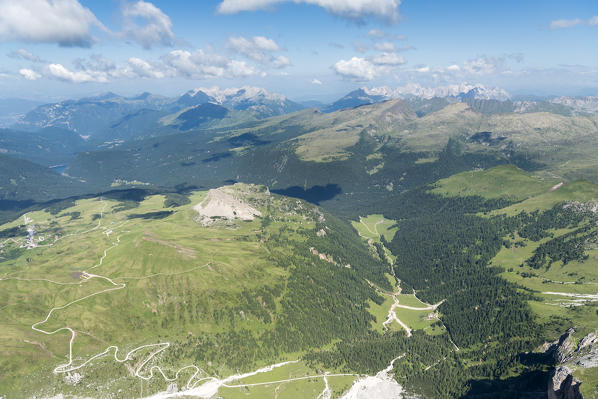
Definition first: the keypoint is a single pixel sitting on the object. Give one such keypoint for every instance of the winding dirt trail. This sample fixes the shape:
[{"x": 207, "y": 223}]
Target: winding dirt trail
[
  {"x": 209, "y": 384},
  {"x": 392, "y": 314}
]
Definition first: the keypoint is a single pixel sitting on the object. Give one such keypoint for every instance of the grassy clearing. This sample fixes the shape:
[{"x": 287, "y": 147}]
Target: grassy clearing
[
  {"x": 304, "y": 388},
  {"x": 372, "y": 227},
  {"x": 582, "y": 191},
  {"x": 411, "y": 300},
  {"x": 505, "y": 181},
  {"x": 375, "y": 226},
  {"x": 380, "y": 312},
  {"x": 415, "y": 319}
]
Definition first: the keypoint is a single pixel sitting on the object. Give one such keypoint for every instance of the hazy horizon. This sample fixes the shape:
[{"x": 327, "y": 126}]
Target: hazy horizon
[{"x": 305, "y": 50}]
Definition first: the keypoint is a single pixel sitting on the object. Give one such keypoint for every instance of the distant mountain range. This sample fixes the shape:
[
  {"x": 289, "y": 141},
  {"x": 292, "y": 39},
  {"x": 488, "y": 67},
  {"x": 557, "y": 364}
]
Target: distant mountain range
[
  {"x": 110, "y": 117},
  {"x": 99, "y": 117},
  {"x": 12, "y": 109},
  {"x": 460, "y": 92}
]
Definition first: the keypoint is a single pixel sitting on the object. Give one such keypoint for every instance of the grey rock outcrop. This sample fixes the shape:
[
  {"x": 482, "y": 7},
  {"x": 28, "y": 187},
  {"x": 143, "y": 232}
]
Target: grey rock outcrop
[
  {"x": 564, "y": 347},
  {"x": 562, "y": 384},
  {"x": 569, "y": 356},
  {"x": 223, "y": 203}
]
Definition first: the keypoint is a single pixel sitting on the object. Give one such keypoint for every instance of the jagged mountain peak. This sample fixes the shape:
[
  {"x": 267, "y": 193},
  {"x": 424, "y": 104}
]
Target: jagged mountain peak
[
  {"x": 462, "y": 90},
  {"x": 459, "y": 92},
  {"x": 223, "y": 95}
]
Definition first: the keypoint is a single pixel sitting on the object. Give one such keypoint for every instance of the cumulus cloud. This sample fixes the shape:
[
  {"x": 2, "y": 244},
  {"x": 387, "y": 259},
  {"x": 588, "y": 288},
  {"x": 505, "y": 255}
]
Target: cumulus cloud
[
  {"x": 204, "y": 65},
  {"x": 29, "y": 74},
  {"x": 156, "y": 29},
  {"x": 255, "y": 48},
  {"x": 484, "y": 65},
  {"x": 65, "y": 22},
  {"x": 196, "y": 65},
  {"x": 453, "y": 68},
  {"x": 356, "y": 68},
  {"x": 260, "y": 49},
  {"x": 353, "y": 9},
  {"x": 316, "y": 82},
  {"x": 240, "y": 69},
  {"x": 144, "y": 69},
  {"x": 24, "y": 55},
  {"x": 60, "y": 72},
  {"x": 281, "y": 62}
]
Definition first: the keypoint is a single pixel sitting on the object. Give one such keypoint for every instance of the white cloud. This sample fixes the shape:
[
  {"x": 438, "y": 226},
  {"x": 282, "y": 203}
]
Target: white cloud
[
  {"x": 142, "y": 68},
  {"x": 266, "y": 44},
  {"x": 385, "y": 46},
  {"x": 58, "y": 71},
  {"x": 356, "y": 68},
  {"x": 29, "y": 74},
  {"x": 424, "y": 69},
  {"x": 260, "y": 49},
  {"x": 281, "y": 62},
  {"x": 197, "y": 65},
  {"x": 353, "y": 9},
  {"x": 453, "y": 68},
  {"x": 388, "y": 59},
  {"x": 255, "y": 48},
  {"x": 24, "y": 55},
  {"x": 565, "y": 23},
  {"x": 203, "y": 65},
  {"x": 316, "y": 82},
  {"x": 484, "y": 65},
  {"x": 569, "y": 23},
  {"x": 242, "y": 69},
  {"x": 65, "y": 22},
  {"x": 157, "y": 29}
]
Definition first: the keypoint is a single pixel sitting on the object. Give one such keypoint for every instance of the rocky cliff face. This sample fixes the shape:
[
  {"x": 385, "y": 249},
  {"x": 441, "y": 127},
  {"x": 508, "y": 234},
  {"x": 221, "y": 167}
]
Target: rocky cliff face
[
  {"x": 568, "y": 356},
  {"x": 562, "y": 384}
]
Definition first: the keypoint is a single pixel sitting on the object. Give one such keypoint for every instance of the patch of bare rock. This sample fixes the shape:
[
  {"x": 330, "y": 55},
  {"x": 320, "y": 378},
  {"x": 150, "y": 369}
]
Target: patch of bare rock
[{"x": 226, "y": 203}]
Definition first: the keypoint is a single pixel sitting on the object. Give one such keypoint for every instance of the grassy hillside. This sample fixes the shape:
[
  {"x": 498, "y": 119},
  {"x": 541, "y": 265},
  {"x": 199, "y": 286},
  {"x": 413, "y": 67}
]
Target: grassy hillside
[
  {"x": 231, "y": 297},
  {"x": 507, "y": 181}
]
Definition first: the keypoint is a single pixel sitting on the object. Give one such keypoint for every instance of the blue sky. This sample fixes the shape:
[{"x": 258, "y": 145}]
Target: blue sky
[{"x": 305, "y": 49}]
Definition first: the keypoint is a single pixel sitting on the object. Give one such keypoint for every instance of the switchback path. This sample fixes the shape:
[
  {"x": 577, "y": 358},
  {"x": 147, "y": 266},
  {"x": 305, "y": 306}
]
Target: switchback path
[{"x": 210, "y": 385}]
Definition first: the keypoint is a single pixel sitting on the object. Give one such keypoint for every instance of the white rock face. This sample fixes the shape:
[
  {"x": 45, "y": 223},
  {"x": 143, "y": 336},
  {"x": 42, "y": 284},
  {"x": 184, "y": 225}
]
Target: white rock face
[
  {"x": 562, "y": 385},
  {"x": 221, "y": 204},
  {"x": 580, "y": 104},
  {"x": 374, "y": 387},
  {"x": 72, "y": 379},
  {"x": 477, "y": 91},
  {"x": 380, "y": 386}
]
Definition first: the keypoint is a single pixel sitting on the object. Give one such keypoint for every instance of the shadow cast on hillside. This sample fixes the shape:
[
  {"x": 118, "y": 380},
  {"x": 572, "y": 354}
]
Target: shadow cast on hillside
[
  {"x": 314, "y": 194},
  {"x": 529, "y": 385}
]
